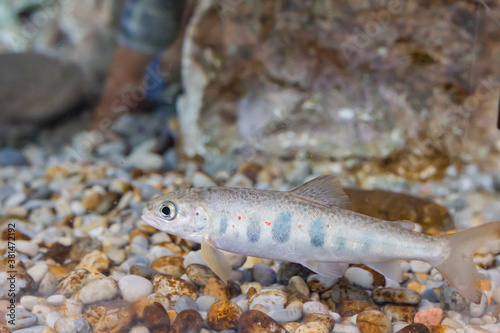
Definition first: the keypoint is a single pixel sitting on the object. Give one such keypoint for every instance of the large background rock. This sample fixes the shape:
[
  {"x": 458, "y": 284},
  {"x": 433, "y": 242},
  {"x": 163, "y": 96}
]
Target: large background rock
[{"x": 408, "y": 82}]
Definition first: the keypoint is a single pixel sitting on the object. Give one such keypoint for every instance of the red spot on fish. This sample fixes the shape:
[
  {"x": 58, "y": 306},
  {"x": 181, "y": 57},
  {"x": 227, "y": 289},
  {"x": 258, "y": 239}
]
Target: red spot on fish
[
  {"x": 300, "y": 226},
  {"x": 239, "y": 217},
  {"x": 268, "y": 223},
  {"x": 328, "y": 226},
  {"x": 233, "y": 225},
  {"x": 197, "y": 213}
]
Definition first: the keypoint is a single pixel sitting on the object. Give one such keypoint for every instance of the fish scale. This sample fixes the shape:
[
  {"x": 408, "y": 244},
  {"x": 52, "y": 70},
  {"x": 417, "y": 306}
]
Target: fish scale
[{"x": 311, "y": 225}]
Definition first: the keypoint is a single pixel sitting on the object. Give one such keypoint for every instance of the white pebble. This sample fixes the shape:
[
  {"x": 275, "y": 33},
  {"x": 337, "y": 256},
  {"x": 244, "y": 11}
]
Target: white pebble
[
  {"x": 285, "y": 315},
  {"x": 38, "y": 271},
  {"x": 360, "y": 277},
  {"x": 139, "y": 329},
  {"x": 52, "y": 318},
  {"x": 28, "y": 302},
  {"x": 23, "y": 319},
  {"x": 418, "y": 266},
  {"x": 452, "y": 323},
  {"x": 65, "y": 325},
  {"x": 71, "y": 307},
  {"x": 98, "y": 290},
  {"x": 477, "y": 310},
  {"x": 496, "y": 295},
  {"x": 314, "y": 307},
  {"x": 340, "y": 328},
  {"x": 134, "y": 287},
  {"x": 27, "y": 247}
]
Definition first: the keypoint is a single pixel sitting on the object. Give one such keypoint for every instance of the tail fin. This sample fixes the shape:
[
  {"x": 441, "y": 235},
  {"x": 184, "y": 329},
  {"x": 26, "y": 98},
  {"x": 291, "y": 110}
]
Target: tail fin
[{"x": 459, "y": 269}]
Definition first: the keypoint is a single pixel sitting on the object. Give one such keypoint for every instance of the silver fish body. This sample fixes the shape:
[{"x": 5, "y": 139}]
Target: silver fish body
[{"x": 310, "y": 225}]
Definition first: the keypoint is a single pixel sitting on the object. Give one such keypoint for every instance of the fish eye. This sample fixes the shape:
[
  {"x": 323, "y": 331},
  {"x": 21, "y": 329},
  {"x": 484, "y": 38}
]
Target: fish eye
[{"x": 168, "y": 210}]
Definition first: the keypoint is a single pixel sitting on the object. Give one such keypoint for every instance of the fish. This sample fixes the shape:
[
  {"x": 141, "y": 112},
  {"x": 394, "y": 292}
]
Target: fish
[{"x": 312, "y": 225}]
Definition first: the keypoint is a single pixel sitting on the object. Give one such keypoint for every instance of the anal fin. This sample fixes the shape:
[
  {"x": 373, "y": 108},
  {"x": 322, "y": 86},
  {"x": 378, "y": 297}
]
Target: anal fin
[
  {"x": 215, "y": 259},
  {"x": 391, "y": 269},
  {"x": 326, "y": 268}
]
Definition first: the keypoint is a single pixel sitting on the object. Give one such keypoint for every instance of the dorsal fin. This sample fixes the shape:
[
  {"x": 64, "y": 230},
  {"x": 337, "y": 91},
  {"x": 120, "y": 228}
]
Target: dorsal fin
[{"x": 325, "y": 190}]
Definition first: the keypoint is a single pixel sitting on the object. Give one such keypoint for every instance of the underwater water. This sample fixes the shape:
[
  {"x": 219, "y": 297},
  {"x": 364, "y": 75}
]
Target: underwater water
[{"x": 103, "y": 111}]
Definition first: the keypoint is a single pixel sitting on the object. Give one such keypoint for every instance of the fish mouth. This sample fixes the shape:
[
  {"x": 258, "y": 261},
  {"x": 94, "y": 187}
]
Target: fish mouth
[{"x": 146, "y": 217}]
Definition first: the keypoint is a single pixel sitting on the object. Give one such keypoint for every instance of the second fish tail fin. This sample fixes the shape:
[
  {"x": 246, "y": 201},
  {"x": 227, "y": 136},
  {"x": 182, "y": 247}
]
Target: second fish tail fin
[{"x": 459, "y": 268}]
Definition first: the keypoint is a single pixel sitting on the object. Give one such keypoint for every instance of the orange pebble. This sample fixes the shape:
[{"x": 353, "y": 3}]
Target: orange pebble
[
  {"x": 429, "y": 317},
  {"x": 485, "y": 285},
  {"x": 416, "y": 286},
  {"x": 423, "y": 276}
]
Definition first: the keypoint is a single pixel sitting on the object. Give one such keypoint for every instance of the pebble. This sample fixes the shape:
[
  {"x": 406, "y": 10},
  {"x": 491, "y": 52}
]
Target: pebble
[
  {"x": 325, "y": 319},
  {"x": 223, "y": 315},
  {"x": 185, "y": 303},
  {"x": 263, "y": 274},
  {"x": 312, "y": 328},
  {"x": 314, "y": 307},
  {"x": 430, "y": 317},
  {"x": 418, "y": 266},
  {"x": 65, "y": 325},
  {"x": 71, "y": 307},
  {"x": 216, "y": 288},
  {"x": 98, "y": 290},
  {"x": 204, "y": 302},
  {"x": 253, "y": 321},
  {"x": 320, "y": 283},
  {"x": 12, "y": 157},
  {"x": 28, "y": 302},
  {"x": 173, "y": 288},
  {"x": 23, "y": 318},
  {"x": 96, "y": 260},
  {"x": 401, "y": 313},
  {"x": 285, "y": 315},
  {"x": 414, "y": 328},
  {"x": 171, "y": 265},
  {"x": 298, "y": 284},
  {"x": 27, "y": 247},
  {"x": 477, "y": 310},
  {"x": 373, "y": 321},
  {"x": 350, "y": 307},
  {"x": 396, "y": 296},
  {"x": 360, "y": 277},
  {"x": 199, "y": 179},
  {"x": 134, "y": 288},
  {"x": 188, "y": 321},
  {"x": 52, "y": 317},
  {"x": 271, "y": 299},
  {"x": 38, "y": 271},
  {"x": 199, "y": 274},
  {"x": 289, "y": 269}
]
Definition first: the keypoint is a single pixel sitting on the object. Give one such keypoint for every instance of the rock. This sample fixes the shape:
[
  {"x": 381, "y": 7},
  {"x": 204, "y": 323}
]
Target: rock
[
  {"x": 263, "y": 274},
  {"x": 28, "y": 302},
  {"x": 239, "y": 180},
  {"x": 298, "y": 284},
  {"x": 72, "y": 282},
  {"x": 484, "y": 260},
  {"x": 188, "y": 321},
  {"x": 272, "y": 299},
  {"x": 82, "y": 326},
  {"x": 344, "y": 290},
  {"x": 98, "y": 290},
  {"x": 401, "y": 313},
  {"x": 23, "y": 319},
  {"x": 414, "y": 328},
  {"x": 27, "y": 247},
  {"x": 155, "y": 317},
  {"x": 250, "y": 170},
  {"x": 477, "y": 310},
  {"x": 451, "y": 299},
  {"x": 38, "y": 271},
  {"x": 96, "y": 260},
  {"x": 185, "y": 303},
  {"x": 23, "y": 282},
  {"x": 56, "y": 300},
  {"x": 319, "y": 283},
  {"x": 289, "y": 269},
  {"x": 216, "y": 288},
  {"x": 351, "y": 307},
  {"x": 418, "y": 266},
  {"x": 52, "y": 318},
  {"x": 134, "y": 288},
  {"x": 223, "y": 315},
  {"x": 396, "y": 296},
  {"x": 285, "y": 315},
  {"x": 442, "y": 329},
  {"x": 199, "y": 274},
  {"x": 145, "y": 160},
  {"x": 12, "y": 157},
  {"x": 65, "y": 325},
  {"x": 253, "y": 321},
  {"x": 430, "y": 317},
  {"x": 373, "y": 321},
  {"x": 173, "y": 288},
  {"x": 314, "y": 307},
  {"x": 204, "y": 302},
  {"x": 324, "y": 319},
  {"x": 202, "y": 180},
  {"x": 292, "y": 326},
  {"x": 70, "y": 308},
  {"x": 172, "y": 265},
  {"x": 312, "y": 328},
  {"x": 360, "y": 277},
  {"x": 58, "y": 252},
  {"x": 496, "y": 295},
  {"x": 48, "y": 284},
  {"x": 113, "y": 316}
]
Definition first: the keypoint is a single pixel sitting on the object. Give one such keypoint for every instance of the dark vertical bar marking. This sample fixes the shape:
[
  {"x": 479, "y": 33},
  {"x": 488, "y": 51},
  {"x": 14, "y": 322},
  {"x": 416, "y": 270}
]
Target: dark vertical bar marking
[
  {"x": 282, "y": 227},
  {"x": 253, "y": 230},
  {"x": 317, "y": 233},
  {"x": 223, "y": 226}
]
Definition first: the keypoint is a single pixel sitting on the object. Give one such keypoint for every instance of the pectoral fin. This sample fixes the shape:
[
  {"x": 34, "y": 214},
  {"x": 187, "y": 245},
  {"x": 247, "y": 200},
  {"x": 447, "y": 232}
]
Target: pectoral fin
[
  {"x": 215, "y": 259},
  {"x": 391, "y": 269},
  {"x": 326, "y": 268}
]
